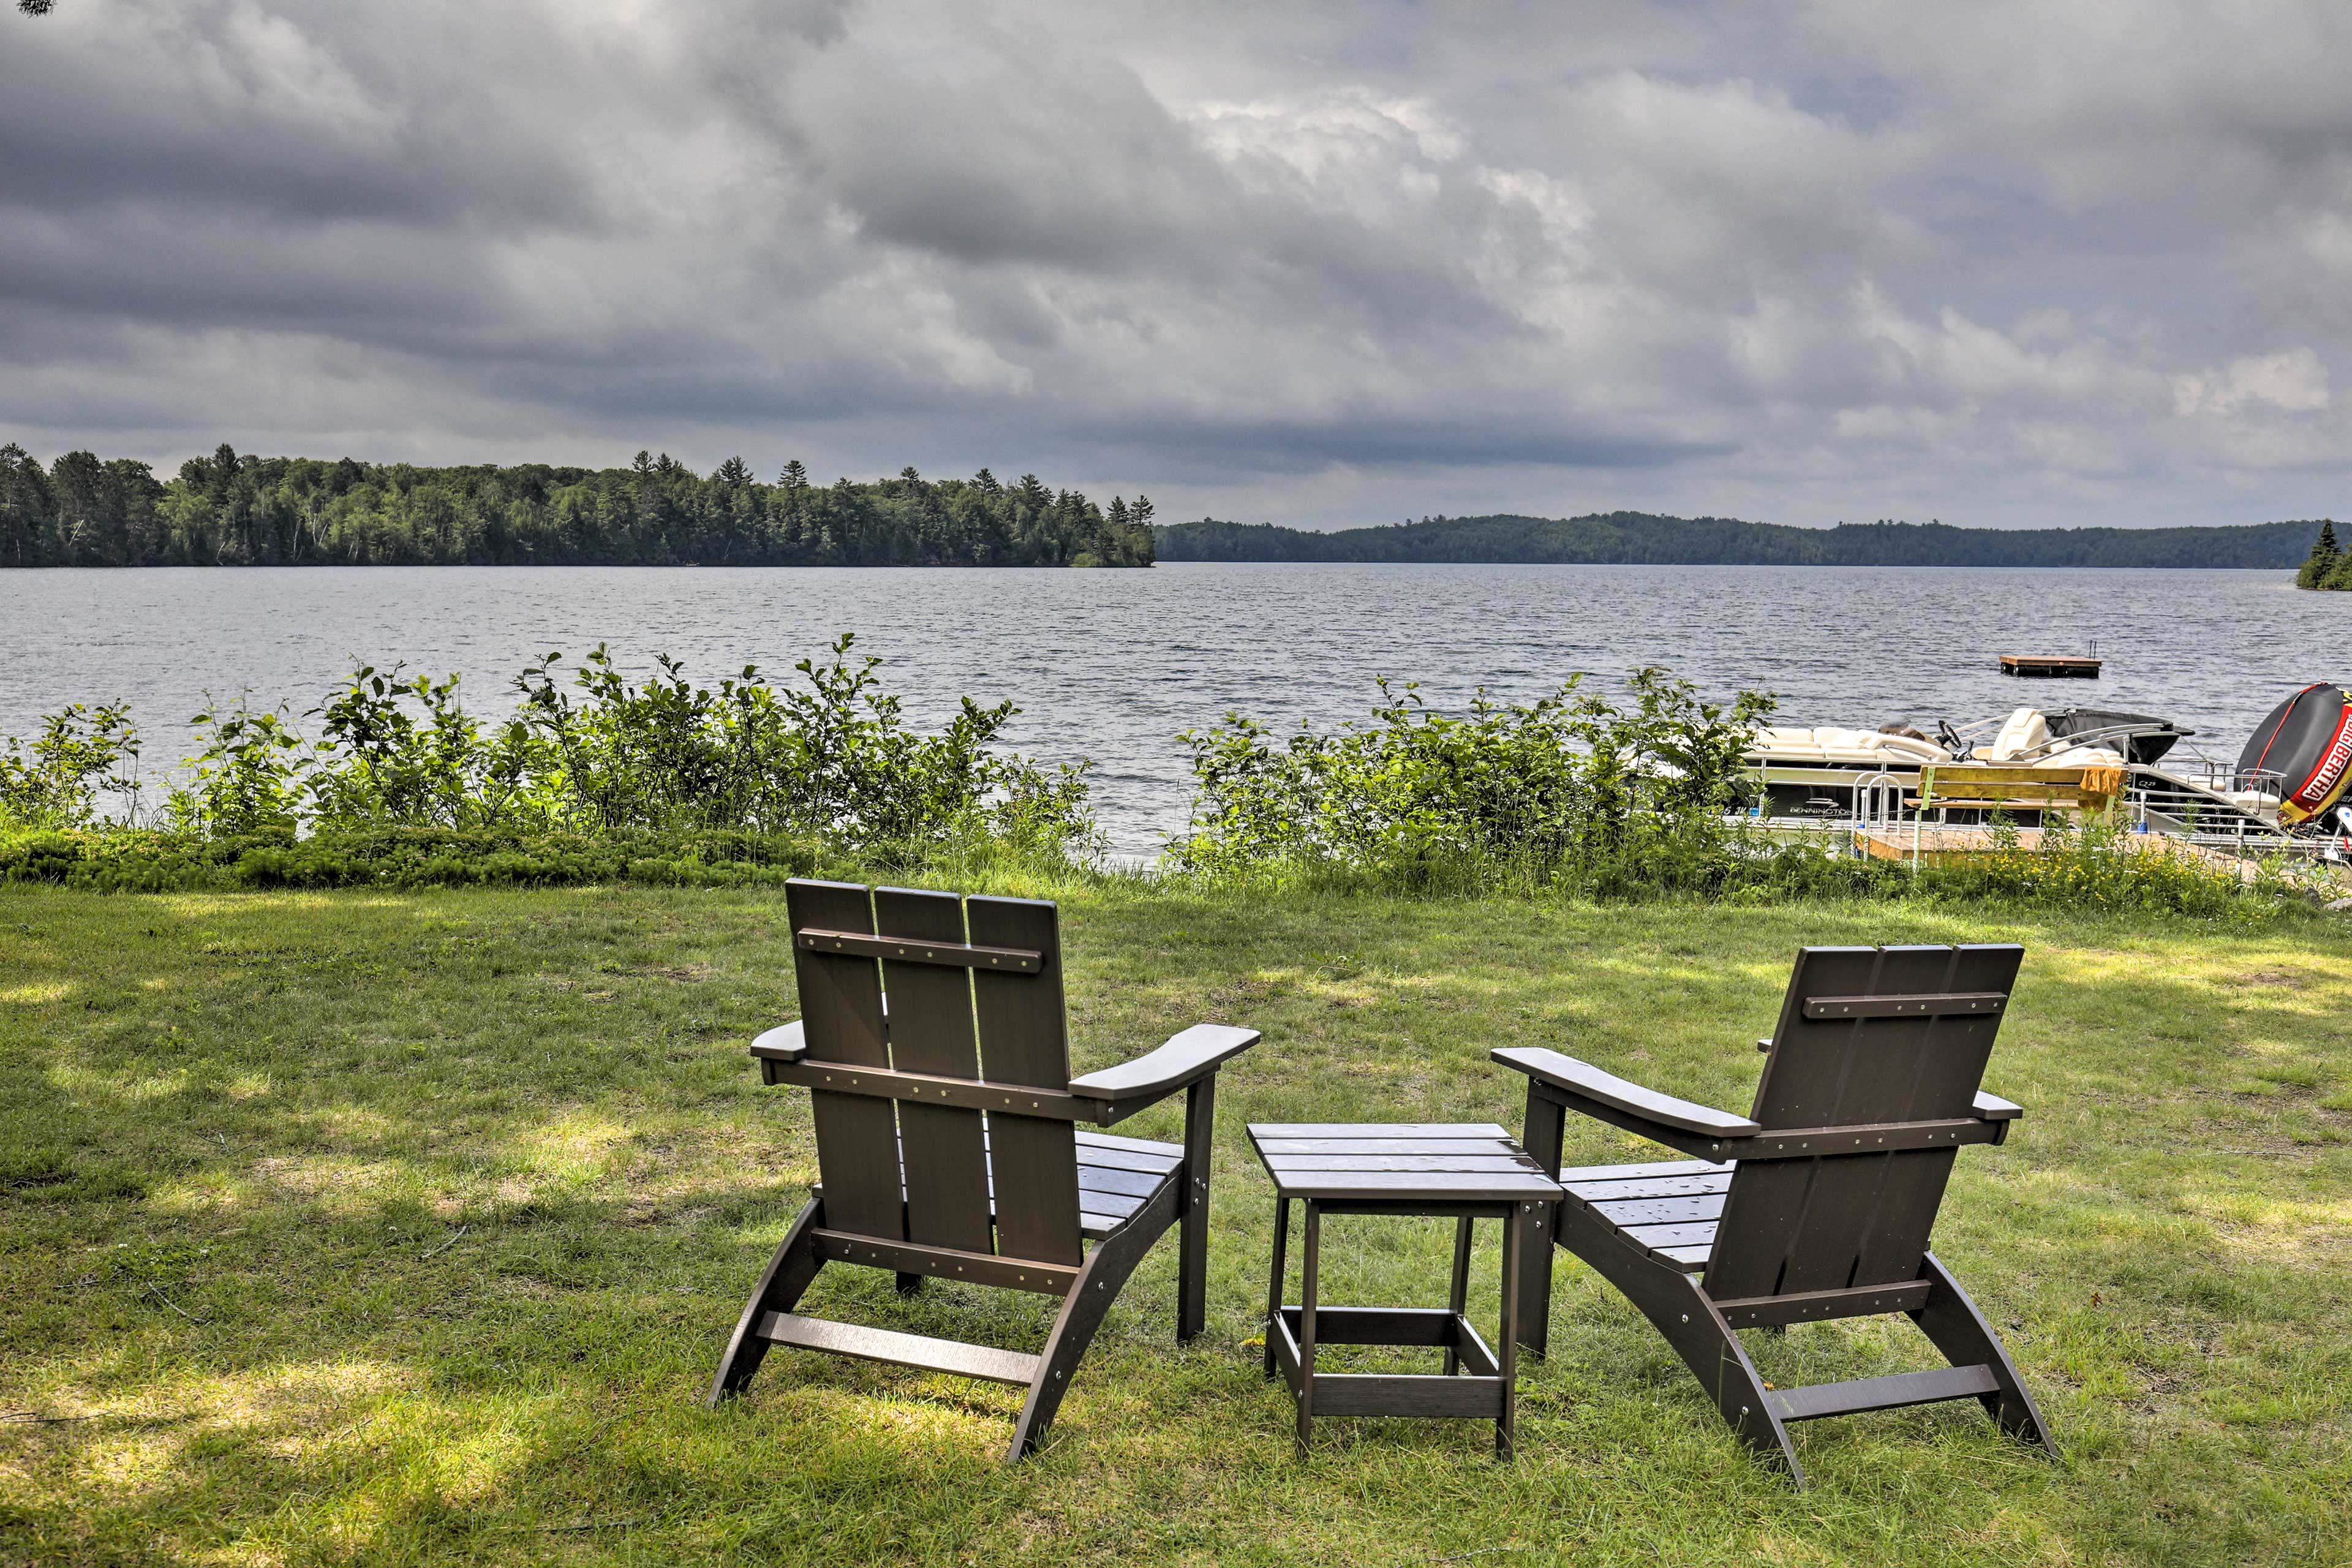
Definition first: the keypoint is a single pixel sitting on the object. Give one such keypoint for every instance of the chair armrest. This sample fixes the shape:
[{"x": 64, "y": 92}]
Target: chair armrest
[
  {"x": 1584, "y": 1081},
  {"x": 1186, "y": 1057},
  {"x": 785, "y": 1043},
  {"x": 1993, "y": 1108}
]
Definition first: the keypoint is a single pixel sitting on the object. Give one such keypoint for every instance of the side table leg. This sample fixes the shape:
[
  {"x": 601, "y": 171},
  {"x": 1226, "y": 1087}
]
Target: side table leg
[
  {"x": 1274, "y": 1285},
  {"x": 1515, "y": 1226},
  {"x": 1458, "y": 1299},
  {"x": 1545, "y": 1132},
  {"x": 1307, "y": 1293}
]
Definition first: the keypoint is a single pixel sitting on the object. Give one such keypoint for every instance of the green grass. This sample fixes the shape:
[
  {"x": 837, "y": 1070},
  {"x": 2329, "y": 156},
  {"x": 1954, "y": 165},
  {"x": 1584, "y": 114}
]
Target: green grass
[{"x": 370, "y": 1228}]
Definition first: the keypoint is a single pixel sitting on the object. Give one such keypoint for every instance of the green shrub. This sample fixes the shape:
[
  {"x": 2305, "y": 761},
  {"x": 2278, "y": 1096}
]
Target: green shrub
[
  {"x": 830, "y": 761},
  {"x": 1571, "y": 788},
  {"x": 1575, "y": 793},
  {"x": 79, "y": 753}
]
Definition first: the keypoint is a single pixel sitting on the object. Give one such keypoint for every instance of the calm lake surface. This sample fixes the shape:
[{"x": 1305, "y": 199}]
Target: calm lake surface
[{"x": 1112, "y": 665}]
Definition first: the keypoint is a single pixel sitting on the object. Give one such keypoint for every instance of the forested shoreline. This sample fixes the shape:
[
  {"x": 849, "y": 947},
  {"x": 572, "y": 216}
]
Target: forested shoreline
[
  {"x": 1634, "y": 538},
  {"x": 235, "y": 509},
  {"x": 232, "y": 509}
]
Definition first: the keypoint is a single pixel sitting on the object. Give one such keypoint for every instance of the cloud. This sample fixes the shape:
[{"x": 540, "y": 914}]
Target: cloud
[
  {"x": 2293, "y": 380},
  {"x": 1326, "y": 264}
]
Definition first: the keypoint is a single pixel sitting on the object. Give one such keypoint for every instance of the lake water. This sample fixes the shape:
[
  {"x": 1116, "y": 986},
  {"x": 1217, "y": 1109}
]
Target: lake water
[{"x": 1112, "y": 665}]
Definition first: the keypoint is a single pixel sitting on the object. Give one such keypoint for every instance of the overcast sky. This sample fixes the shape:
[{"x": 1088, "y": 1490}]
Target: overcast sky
[{"x": 2001, "y": 264}]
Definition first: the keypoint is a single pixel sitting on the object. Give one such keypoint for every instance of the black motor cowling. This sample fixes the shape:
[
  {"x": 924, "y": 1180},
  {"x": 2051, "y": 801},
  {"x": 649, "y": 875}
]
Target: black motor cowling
[
  {"x": 2300, "y": 754},
  {"x": 2141, "y": 737}
]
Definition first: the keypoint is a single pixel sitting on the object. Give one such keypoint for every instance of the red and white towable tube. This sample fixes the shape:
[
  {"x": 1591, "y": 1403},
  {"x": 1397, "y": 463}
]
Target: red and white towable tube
[{"x": 2302, "y": 752}]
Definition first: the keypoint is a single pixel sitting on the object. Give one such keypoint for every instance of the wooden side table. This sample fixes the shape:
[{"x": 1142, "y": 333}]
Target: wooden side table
[{"x": 1465, "y": 1172}]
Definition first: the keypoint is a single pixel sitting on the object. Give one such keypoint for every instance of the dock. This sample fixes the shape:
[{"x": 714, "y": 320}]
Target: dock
[
  {"x": 2050, "y": 665},
  {"x": 1957, "y": 845}
]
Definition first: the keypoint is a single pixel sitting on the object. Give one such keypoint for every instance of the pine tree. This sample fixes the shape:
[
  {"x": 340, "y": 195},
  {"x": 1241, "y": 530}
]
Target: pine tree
[{"x": 2325, "y": 556}]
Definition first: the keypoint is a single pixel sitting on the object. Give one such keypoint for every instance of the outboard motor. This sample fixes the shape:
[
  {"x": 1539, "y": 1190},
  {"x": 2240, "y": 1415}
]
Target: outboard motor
[{"x": 2302, "y": 754}]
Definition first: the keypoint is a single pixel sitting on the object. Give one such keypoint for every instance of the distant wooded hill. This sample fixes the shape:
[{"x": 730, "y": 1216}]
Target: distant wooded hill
[
  {"x": 1636, "y": 537},
  {"x": 232, "y": 510}
]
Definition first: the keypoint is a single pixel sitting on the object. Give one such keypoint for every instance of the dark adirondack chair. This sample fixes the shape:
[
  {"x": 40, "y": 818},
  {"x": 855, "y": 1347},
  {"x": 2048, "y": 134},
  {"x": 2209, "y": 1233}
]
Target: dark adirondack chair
[
  {"x": 1815, "y": 1206},
  {"x": 933, "y": 1040}
]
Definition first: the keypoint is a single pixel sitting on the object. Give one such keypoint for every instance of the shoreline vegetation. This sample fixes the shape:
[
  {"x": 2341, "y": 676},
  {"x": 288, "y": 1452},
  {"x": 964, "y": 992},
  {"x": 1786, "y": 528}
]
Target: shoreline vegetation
[
  {"x": 599, "y": 778},
  {"x": 1634, "y": 538},
  {"x": 232, "y": 509}
]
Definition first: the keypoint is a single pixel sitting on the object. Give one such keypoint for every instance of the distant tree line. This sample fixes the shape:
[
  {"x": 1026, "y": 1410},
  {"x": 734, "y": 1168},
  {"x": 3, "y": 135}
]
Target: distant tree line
[
  {"x": 231, "y": 509},
  {"x": 2327, "y": 566},
  {"x": 1629, "y": 537}
]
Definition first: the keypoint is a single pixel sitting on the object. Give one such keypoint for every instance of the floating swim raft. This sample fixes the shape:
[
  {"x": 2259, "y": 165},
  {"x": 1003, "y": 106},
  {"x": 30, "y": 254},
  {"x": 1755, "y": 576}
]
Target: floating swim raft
[{"x": 2050, "y": 665}]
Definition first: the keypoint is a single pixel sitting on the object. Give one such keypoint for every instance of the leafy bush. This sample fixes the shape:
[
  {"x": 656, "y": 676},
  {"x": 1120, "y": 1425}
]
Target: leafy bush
[
  {"x": 1580, "y": 794},
  {"x": 79, "y": 753},
  {"x": 828, "y": 761},
  {"x": 833, "y": 759},
  {"x": 1569, "y": 788}
]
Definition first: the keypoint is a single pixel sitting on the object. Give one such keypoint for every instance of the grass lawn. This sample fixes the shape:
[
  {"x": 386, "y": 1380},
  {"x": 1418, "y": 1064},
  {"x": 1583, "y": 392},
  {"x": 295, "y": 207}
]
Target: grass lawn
[{"x": 407, "y": 1228}]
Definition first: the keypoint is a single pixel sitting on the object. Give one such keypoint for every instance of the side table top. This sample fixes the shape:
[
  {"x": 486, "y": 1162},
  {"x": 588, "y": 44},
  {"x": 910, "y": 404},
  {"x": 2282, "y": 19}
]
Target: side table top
[{"x": 1443, "y": 1161}]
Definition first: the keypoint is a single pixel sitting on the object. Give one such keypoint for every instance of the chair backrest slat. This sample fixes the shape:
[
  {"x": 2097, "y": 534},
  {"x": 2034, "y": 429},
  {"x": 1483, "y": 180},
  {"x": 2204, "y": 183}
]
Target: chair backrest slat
[
  {"x": 1830, "y": 1221},
  {"x": 841, "y": 1012},
  {"x": 1023, "y": 1040},
  {"x": 931, "y": 1032}
]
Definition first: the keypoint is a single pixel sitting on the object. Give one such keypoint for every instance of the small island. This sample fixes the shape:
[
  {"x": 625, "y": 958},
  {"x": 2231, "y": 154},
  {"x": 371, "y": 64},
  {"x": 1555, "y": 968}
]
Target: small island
[{"x": 2329, "y": 566}]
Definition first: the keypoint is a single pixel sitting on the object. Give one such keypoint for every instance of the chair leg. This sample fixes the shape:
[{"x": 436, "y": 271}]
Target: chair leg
[
  {"x": 1681, "y": 1311},
  {"x": 1192, "y": 1236},
  {"x": 1097, "y": 1284},
  {"x": 1951, "y": 1321},
  {"x": 781, "y": 1284}
]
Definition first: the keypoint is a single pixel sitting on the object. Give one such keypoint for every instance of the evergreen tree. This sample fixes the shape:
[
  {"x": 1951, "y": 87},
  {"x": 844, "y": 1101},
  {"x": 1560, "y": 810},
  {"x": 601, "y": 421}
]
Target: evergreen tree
[
  {"x": 25, "y": 511},
  {"x": 2324, "y": 558}
]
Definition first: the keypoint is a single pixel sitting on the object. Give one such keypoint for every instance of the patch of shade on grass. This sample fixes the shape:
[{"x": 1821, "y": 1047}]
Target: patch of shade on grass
[{"x": 407, "y": 1229}]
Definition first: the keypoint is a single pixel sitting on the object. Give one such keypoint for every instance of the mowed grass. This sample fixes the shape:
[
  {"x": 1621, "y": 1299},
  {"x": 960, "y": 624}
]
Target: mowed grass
[{"x": 377, "y": 1228}]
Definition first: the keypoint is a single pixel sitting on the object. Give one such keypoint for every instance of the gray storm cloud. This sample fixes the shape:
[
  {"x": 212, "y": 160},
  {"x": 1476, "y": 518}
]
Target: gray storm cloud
[{"x": 1993, "y": 262}]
